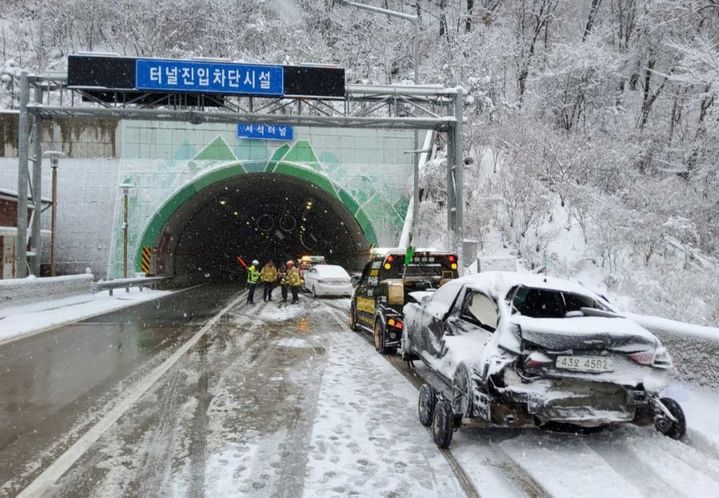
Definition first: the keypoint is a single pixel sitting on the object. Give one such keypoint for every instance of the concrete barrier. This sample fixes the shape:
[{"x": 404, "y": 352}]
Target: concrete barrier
[
  {"x": 694, "y": 349},
  {"x": 21, "y": 291}
]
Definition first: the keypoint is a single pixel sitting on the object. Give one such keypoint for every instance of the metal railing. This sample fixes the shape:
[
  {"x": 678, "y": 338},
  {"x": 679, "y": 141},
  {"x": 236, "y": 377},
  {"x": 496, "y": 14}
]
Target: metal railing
[{"x": 126, "y": 283}]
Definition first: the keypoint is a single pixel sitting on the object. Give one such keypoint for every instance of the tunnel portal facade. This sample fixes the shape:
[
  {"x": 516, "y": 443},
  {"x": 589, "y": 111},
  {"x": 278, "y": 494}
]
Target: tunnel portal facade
[{"x": 201, "y": 197}]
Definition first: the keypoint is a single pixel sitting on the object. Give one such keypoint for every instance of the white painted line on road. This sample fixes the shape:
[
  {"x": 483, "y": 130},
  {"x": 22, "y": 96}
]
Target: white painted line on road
[{"x": 42, "y": 484}]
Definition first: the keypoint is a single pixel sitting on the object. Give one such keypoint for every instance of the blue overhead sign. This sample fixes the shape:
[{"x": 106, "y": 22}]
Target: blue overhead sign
[
  {"x": 208, "y": 77},
  {"x": 265, "y": 131}
]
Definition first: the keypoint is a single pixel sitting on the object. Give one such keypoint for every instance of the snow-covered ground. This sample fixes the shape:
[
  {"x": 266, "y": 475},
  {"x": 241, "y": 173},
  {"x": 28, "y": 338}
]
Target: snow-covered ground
[
  {"x": 290, "y": 395},
  {"x": 45, "y": 315}
]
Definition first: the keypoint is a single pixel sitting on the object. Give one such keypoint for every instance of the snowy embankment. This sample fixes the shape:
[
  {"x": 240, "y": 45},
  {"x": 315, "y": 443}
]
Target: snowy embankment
[
  {"x": 44, "y": 315},
  {"x": 19, "y": 291}
]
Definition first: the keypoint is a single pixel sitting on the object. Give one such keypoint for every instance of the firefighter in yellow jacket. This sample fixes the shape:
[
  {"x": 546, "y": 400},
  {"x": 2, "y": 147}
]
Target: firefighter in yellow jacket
[
  {"x": 268, "y": 275},
  {"x": 293, "y": 280}
]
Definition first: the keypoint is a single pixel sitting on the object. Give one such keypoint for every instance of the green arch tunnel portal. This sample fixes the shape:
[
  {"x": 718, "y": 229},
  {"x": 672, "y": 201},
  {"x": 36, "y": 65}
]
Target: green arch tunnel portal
[{"x": 206, "y": 225}]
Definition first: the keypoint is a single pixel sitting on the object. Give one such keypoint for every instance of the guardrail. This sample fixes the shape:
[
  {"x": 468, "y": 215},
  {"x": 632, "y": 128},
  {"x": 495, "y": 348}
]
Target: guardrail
[
  {"x": 126, "y": 283},
  {"x": 694, "y": 348}
]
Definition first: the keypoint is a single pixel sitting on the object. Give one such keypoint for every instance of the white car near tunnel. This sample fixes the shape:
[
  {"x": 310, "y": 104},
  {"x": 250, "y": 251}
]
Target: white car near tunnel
[{"x": 328, "y": 280}]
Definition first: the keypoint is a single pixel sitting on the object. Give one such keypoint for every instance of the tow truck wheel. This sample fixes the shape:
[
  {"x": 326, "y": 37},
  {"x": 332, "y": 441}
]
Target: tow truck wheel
[
  {"x": 425, "y": 404},
  {"x": 353, "y": 318},
  {"x": 674, "y": 430},
  {"x": 443, "y": 424},
  {"x": 379, "y": 339}
]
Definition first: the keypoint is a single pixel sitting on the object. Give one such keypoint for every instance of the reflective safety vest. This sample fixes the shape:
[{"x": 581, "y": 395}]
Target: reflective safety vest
[
  {"x": 269, "y": 273},
  {"x": 293, "y": 277},
  {"x": 252, "y": 275}
]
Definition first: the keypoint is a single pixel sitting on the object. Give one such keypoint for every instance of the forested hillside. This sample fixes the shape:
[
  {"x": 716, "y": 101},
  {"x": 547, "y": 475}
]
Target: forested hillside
[{"x": 593, "y": 124}]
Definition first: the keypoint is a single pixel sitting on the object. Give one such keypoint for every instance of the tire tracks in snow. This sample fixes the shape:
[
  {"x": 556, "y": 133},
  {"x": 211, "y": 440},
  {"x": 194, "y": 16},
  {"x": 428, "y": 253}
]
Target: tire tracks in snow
[
  {"x": 45, "y": 482},
  {"x": 460, "y": 474}
]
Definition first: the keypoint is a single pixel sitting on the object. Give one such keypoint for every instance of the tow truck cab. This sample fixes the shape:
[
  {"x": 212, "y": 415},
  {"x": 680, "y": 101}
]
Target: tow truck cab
[{"x": 384, "y": 289}]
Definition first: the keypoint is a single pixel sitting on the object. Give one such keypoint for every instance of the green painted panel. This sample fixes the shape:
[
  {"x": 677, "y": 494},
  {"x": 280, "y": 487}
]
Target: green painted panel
[
  {"x": 255, "y": 166},
  {"x": 348, "y": 202},
  {"x": 252, "y": 150},
  {"x": 366, "y": 226},
  {"x": 276, "y": 156},
  {"x": 401, "y": 205},
  {"x": 302, "y": 153},
  {"x": 216, "y": 151}
]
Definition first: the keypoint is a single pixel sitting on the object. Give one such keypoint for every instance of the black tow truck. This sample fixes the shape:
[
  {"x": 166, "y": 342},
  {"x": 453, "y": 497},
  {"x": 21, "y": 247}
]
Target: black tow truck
[{"x": 385, "y": 286}]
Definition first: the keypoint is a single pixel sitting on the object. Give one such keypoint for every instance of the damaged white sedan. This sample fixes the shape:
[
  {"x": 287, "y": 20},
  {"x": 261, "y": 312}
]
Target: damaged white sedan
[{"x": 522, "y": 350}]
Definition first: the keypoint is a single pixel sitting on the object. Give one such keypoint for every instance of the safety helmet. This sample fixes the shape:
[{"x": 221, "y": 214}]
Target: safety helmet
[
  {"x": 290, "y": 263},
  {"x": 255, "y": 262}
]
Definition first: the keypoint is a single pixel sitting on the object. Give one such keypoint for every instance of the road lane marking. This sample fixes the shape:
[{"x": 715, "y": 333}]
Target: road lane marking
[{"x": 43, "y": 483}]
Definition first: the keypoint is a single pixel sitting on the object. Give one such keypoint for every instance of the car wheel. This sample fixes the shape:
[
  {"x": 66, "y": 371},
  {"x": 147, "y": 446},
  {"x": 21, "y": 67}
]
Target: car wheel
[
  {"x": 674, "y": 430},
  {"x": 463, "y": 392},
  {"x": 314, "y": 292},
  {"x": 425, "y": 404},
  {"x": 379, "y": 339},
  {"x": 442, "y": 424}
]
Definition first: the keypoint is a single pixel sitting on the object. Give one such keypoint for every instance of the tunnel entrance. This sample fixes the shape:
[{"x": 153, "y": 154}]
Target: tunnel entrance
[{"x": 257, "y": 216}]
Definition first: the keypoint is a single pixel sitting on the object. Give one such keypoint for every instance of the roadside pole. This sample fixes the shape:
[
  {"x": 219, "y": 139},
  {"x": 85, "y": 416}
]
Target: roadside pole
[
  {"x": 22, "y": 177},
  {"x": 35, "y": 234}
]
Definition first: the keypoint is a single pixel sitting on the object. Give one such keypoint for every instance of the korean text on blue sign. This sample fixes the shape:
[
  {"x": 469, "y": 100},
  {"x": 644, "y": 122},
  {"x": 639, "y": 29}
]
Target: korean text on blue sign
[
  {"x": 265, "y": 131},
  {"x": 208, "y": 77}
]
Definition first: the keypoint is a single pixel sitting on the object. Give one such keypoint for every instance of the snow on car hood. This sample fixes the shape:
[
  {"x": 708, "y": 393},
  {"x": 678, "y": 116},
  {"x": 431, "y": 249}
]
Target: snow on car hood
[{"x": 587, "y": 332}]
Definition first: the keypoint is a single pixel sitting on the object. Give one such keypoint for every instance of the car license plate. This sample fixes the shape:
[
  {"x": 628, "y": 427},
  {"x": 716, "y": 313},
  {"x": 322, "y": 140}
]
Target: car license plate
[{"x": 585, "y": 363}]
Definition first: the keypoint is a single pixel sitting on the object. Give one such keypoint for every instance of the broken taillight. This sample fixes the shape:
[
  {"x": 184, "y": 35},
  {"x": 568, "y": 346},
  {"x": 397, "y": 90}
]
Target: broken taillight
[
  {"x": 642, "y": 357},
  {"x": 658, "y": 358},
  {"x": 537, "y": 359}
]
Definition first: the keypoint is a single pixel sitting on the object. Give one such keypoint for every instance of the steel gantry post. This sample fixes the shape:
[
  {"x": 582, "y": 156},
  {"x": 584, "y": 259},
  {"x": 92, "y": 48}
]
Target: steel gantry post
[
  {"x": 455, "y": 181},
  {"x": 22, "y": 174},
  {"x": 458, "y": 131},
  {"x": 36, "y": 192},
  {"x": 451, "y": 190}
]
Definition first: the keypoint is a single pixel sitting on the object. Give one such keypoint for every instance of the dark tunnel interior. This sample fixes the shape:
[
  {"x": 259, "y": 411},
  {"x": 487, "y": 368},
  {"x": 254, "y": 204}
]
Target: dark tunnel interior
[{"x": 261, "y": 216}]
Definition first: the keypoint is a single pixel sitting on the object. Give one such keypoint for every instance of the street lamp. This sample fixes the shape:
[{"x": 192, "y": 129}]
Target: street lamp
[
  {"x": 54, "y": 163},
  {"x": 125, "y": 186},
  {"x": 415, "y": 59}
]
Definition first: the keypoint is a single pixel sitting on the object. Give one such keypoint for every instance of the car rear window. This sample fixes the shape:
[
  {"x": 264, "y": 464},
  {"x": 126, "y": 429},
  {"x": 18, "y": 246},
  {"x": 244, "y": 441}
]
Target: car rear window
[{"x": 549, "y": 303}]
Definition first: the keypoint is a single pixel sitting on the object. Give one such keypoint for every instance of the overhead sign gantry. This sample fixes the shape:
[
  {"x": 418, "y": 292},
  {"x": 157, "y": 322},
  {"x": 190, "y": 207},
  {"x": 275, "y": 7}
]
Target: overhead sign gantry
[{"x": 219, "y": 91}]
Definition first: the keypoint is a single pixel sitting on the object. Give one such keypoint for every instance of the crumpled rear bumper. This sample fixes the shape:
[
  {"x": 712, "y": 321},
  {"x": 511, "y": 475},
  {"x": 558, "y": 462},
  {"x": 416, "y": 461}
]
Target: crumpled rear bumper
[{"x": 587, "y": 404}]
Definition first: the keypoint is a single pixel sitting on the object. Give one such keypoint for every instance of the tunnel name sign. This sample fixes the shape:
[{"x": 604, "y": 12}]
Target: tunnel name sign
[
  {"x": 265, "y": 131},
  {"x": 209, "y": 77}
]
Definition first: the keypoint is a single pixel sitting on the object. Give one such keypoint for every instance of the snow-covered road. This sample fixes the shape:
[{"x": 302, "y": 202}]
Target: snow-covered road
[{"x": 282, "y": 400}]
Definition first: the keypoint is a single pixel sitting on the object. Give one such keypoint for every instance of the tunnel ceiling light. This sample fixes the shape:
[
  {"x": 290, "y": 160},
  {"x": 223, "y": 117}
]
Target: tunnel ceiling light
[{"x": 223, "y": 202}]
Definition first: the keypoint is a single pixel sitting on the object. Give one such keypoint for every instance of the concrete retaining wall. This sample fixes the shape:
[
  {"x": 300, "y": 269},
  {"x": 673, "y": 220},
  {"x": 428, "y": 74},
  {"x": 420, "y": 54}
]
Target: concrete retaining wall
[{"x": 17, "y": 292}]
